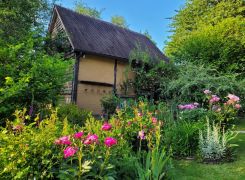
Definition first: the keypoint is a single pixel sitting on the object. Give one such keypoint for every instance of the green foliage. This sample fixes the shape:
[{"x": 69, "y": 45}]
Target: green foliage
[
  {"x": 148, "y": 35},
  {"x": 33, "y": 78},
  {"x": 151, "y": 75},
  {"x": 82, "y": 8},
  {"x": 119, "y": 21},
  {"x": 73, "y": 113},
  {"x": 109, "y": 104},
  {"x": 157, "y": 164},
  {"x": 18, "y": 18},
  {"x": 27, "y": 151},
  {"x": 193, "y": 79},
  {"x": 210, "y": 32},
  {"x": 215, "y": 144},
  {"x": 182, "y": 136}
]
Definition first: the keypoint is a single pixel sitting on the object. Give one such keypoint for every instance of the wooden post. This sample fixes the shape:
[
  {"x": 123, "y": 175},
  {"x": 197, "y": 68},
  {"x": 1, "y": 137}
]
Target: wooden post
[
  {"x": 115, "y": 78},
  {"x": 75, "y": 77}
]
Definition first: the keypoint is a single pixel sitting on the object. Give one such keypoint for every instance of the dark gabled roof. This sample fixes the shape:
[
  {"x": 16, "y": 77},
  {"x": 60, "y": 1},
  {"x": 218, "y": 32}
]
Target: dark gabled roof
[{"x": 95, "y": 36}]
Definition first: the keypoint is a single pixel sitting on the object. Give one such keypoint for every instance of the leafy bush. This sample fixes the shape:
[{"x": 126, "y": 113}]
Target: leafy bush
[
  {"x": 73, "y": 113},
  {"x": 182, "y": 136},
  {"x": 28, "y": 151},
  {"x": 214, "y": 143},
  {"x": 109, "y": 104},
  {"x": 193, "y": 79},
  {"x": 29, "y": 77},
  {"x": 152, "y": 75}
]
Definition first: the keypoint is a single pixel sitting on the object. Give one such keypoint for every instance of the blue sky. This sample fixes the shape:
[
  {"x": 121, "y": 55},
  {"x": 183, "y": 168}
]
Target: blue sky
[{"x": 141, "y": 15}]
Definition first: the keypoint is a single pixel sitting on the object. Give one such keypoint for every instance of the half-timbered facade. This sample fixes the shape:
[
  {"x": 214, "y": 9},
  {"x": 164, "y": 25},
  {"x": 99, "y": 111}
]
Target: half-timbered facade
[{"x": 101, "y": 51}]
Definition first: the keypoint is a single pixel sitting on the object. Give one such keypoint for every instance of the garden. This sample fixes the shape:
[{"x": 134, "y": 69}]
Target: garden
[
  {"x": 141, "y": 140},
  {"x": 187, "y": 120}
]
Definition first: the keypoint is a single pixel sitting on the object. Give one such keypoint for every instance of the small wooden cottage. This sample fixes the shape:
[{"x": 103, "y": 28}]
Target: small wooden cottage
[{"x": 101, "y": 51}]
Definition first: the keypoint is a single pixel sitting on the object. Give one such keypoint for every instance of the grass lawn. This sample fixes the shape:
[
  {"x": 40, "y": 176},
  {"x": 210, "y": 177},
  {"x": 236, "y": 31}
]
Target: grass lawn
[
  {"x": 240, "y": 125},
  {"x": 189, "y": 170}
]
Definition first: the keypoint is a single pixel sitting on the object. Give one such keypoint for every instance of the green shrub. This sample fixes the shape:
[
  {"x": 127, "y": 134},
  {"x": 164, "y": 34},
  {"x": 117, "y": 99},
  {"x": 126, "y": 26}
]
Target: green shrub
[
  {"x": 182, "y": 136},
  {"x": 109, "y": 104},
  {"x": 193, "y": 115},
  {"x": 73, "y": 113},
  {"x": 193, "y": 79},
  {"x": 28, "y": 151},
  {"x": 29, "y": 77}
]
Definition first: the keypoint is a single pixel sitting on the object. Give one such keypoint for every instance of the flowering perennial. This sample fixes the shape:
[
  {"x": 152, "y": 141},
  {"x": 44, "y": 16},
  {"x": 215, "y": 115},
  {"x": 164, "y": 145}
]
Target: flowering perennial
[
  {"x": 109, "y": 141},
  {"x": 65, "y": 140},
  {"x": 214, "y": 98},
  {"x": 106, "y": 127},
  {"x": 154, "y": 120},
  {"x": 69, "y": 151},
  {"x": 141, "y": 135},
  {"x": 78, "y": 135},
  {"x": 93, "y": 138},
  {"x": 188, "y": 106},
  {"x": 207, "y": 91}
]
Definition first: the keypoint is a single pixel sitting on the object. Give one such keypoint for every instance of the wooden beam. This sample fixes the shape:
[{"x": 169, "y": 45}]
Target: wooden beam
[
  {"x": 75, "y": 77},
  {"x": 96, "y": 83},
  {"x": 115, "y": 77}
]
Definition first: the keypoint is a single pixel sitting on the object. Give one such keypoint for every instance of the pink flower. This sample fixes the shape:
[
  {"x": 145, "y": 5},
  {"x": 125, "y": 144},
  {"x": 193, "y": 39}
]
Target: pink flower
[
  {"x": 93, "y": 138},
  {"x": 214, "y": 98},
  {"x": 206, "y": 91},
  {"x": 181, "y": 106},
  {"x": 69, "y": 151},
  {"x": 65, "y": 140},
  {"x": 106, "y": 127},
  {"x": 129, "y": 123},
  {"x": 140, "y": 114},
  {"x": 188, "y": 106},
  {"x": 78, "y": 135},
  {"x": 109, "y": 141},
  {"x": 154, "y": 120},
  {"x": 141, "y": 135},
  {"x": 233, "y": 97},
  {"x": 238, "y": 106}
]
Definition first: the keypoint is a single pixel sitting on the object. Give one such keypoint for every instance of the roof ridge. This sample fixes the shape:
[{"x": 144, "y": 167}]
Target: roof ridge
[{"x": 103, "y": 21}]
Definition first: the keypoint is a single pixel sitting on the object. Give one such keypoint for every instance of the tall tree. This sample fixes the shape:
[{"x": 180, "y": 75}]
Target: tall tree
[
  {"x": 119, "y": 21},
  {"x": 82, "y": 8},
  {"x": 18, "y": 18},
  {"x": 29, "y": 76},
  {"x": 211, "y": 32}
]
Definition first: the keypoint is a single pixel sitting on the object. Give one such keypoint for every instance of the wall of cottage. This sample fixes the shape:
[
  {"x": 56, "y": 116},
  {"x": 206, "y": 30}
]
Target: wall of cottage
[{"x": 96, "y": 79}]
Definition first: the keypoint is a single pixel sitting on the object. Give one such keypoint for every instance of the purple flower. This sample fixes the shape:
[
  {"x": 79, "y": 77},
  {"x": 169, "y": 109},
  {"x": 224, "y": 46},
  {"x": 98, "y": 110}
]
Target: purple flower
[{"x": 188, "y": 106}]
